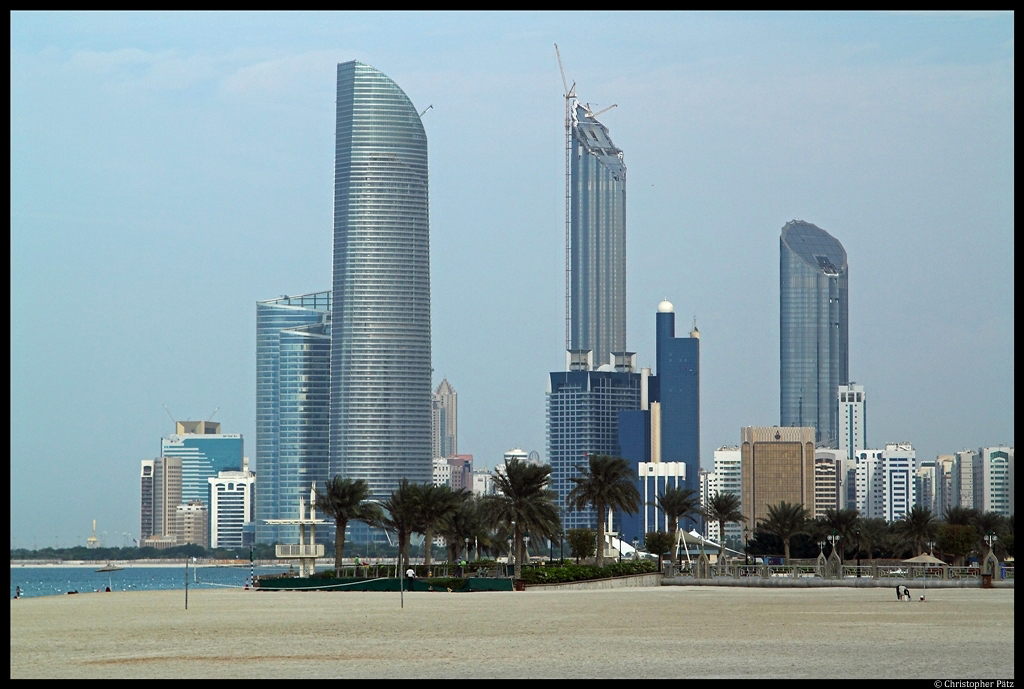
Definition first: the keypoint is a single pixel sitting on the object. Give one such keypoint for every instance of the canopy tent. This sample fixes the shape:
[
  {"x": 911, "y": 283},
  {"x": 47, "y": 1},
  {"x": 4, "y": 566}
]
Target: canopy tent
[{"x": 924, "y": 560}]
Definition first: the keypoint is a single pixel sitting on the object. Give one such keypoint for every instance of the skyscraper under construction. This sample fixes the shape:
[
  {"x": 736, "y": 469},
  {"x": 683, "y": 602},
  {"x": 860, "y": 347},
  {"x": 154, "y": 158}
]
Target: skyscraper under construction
[{"x": 598, "y": 239}]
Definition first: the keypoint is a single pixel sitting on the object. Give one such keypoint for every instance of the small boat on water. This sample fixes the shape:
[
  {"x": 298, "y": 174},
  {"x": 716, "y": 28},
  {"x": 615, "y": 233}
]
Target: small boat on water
[{"x": 110, "y": 567}]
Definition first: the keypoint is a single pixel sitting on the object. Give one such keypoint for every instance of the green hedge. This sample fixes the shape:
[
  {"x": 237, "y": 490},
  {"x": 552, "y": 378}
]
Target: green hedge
[{"x": 558, "y": 575}]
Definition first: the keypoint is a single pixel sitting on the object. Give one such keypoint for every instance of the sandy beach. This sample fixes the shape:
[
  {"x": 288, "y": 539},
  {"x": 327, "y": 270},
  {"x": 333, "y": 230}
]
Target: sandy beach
[{"x": 635, "y": 632}]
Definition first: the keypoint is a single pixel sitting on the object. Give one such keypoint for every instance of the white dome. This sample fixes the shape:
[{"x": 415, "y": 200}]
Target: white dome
[{"x": 665, "y": 307}]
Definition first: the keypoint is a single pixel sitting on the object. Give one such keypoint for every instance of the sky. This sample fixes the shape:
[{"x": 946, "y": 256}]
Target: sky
[{"x": 168, "y": 170}]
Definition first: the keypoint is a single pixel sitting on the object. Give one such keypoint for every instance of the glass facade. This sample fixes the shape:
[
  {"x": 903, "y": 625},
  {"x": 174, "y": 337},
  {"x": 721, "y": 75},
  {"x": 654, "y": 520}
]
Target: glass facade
[
  {"x": 814, "y": 329},
  {"x": 292, "y": 405},
  {"x": 380, "y": 347},
  {"x": 678, "y": 391},
  {"x": 202, "y": 457},
  {"x": 583, "y": 419},
  {"x": 598, "y": 240}
]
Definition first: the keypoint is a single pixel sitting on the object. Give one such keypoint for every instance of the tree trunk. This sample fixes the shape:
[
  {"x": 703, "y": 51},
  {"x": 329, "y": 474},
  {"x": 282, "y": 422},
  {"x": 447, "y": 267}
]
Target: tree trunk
[
  {"x": 721, "y": 545},
  {"x": 600, "y": 535},
  {"x": 339, "y": 545},
  {"x": 785, "y": 544},
  {"x": 427, "y": 538},
  {"x": 517, "y": 550},
  {"x": 673, "y": 553}
]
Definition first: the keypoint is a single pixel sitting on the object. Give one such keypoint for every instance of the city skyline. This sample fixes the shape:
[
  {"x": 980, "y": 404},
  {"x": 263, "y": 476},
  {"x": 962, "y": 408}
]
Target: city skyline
[{"x": 193, "y": 176}]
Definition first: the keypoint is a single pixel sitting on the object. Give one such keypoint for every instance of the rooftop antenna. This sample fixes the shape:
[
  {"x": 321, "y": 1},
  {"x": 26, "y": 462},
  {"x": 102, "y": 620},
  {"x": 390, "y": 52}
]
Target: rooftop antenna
[{"x": 569, "y": 93}]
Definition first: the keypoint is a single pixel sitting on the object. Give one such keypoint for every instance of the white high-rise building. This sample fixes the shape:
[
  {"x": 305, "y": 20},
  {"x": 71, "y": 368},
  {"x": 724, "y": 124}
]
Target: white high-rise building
[
  {"x": 963, "y": 478},
  {"x": 852, "y": 434},
  {"x": 231, "y": 506},
  {"x": 885, "y": 481},
  {"x": 828, "y": 480},
  {"x": 726, "y": 478},
  {"x": 442, "y": 472},
  {"x": 993, "y": 480}
]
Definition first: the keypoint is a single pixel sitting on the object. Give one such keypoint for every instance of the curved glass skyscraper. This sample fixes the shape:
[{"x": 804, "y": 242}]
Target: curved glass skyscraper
[
  {"x": 380, "y": 340},
  {"x": 598, "y": 240},
  {"x": 813, "y": 328},
  {"x": 293, "y": 377}
]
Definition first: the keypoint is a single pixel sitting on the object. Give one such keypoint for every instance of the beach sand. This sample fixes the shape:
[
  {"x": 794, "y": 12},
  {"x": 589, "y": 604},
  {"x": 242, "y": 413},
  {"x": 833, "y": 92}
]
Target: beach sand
[{"x": 672, "y": 631}]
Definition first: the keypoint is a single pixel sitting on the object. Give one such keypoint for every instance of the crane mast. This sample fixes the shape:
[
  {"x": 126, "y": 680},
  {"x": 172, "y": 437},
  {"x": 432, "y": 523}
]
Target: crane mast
[{"x": 569, "y": 93}]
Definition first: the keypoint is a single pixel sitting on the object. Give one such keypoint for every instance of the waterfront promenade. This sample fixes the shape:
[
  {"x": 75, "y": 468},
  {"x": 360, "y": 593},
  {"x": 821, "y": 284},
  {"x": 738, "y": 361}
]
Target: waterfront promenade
[{"x": 666, "y": 631}]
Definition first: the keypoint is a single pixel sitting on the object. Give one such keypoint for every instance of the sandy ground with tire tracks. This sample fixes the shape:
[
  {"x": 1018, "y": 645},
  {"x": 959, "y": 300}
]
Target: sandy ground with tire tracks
[{"x": 632, "y": 632}]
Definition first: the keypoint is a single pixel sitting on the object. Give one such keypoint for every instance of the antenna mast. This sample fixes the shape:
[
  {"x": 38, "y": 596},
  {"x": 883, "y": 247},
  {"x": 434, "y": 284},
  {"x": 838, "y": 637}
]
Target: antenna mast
[{"x": 569, "y": 94}]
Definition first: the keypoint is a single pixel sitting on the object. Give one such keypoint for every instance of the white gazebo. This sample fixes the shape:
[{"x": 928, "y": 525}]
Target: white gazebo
[{"x": 305, "y": 553}]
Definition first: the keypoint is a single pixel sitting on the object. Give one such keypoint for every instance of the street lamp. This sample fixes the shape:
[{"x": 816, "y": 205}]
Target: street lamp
[
  {"x": 931, "y": 548},
  {"x": 561, "y": 548},
  {"x": 746, "y": 546},
  {"x": 833, "y": 539},
  {"x": 619, "y": 534},
  {"x": 857, "y": 533},
  {"x": 526, "y": 546}
]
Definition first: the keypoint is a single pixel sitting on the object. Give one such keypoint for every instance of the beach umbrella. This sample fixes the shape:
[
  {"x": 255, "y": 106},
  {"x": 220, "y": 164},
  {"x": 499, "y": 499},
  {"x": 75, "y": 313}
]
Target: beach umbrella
[{"x": 924, "y": 560}]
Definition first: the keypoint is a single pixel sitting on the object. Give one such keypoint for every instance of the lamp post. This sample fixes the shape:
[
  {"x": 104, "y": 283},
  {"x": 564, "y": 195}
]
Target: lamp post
[
  {"x": 931, "y": 548},
  {"x": 619, "y": 535},
  {"x": 561, "y": 549},
  {"x": 858, "y": 552},
  {"x": 746, "y": 546},
  {"x": 511, "y": 552},
  {"x": 467, "y": 548},
  {"x": 526, "y": 548},
  {"x": 833, "y": 539}
]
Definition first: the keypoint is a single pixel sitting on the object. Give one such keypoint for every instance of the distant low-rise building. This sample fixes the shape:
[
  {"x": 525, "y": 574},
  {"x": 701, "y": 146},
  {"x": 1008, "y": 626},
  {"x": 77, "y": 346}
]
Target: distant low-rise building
[{"x": 191, "y": 524}]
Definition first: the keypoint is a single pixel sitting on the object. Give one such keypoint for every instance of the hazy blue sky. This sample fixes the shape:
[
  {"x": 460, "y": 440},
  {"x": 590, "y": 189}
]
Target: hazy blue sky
[{"x": 169, "y": 170}]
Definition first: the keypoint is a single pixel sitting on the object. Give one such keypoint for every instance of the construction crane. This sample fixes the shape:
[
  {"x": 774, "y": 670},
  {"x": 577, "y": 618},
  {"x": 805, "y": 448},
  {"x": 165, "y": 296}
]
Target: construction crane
[
  {"x": 569, "y": 93},
  {"x": 425, "y": 110},
  {"x": 213, "y": 414},
  {"x": 592, "y": 114}
]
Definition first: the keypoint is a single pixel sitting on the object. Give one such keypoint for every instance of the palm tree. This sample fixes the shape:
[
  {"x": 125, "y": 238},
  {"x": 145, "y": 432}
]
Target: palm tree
[
  {"x": 873, "y": 533},
  {"x": 986, "y": 523},
  {"x": 917, "y": 527},
  {"x": 785, "y": 520},
  {"x": 677, "y": 503},
  {"x": 522, "y": 497},
  {"x": 401, "y": 516},
  {"x": 463, "y": 524},
  {"x": 723, "y": 508},
  {"x": 434, "y": 505},
  {"x": 345, "y": 500},
  {"x": 606, "y": 483}
]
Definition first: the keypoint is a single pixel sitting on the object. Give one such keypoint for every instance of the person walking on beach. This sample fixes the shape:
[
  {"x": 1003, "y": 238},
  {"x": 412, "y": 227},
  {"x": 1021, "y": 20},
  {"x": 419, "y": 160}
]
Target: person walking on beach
[{"x": 17, "y": 592}]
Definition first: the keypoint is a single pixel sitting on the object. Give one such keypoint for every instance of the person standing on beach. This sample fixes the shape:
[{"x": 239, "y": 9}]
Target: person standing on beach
[{"x": 17, "y": 592}]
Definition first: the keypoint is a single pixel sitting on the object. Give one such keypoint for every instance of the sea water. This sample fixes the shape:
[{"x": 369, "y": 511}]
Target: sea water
[{"x": 55, "y": 580}]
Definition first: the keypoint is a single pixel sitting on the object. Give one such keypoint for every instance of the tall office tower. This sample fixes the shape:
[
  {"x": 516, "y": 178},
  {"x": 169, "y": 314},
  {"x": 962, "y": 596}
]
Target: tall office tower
[
  {"x": 963, "y": 478},
  {"x": 925, "y": 487},
  {"x": 885, "y": 481},
  {"x": 293, "y": 386},
  {"x": 166, "y": 494},
  {"x": 814, "y": 329},
  {"x": 598, "y": 240},
  {"x": 676, "y": 389},
  {"x": 380, "y": 342},
  {"x": 852, "y": 430},
  {"x": 146, "y": 511},
  {"x": 827, "y": 478},
  {"x": 444, "y": 421},
  {"x": 993, "y": 480},
  {"x": 583, "y": 418},
  {"x": 943, "y": 484},
  {"x": 204, "y": 451},
  {"x": 231, "y": 507},
  {"x": 654, "y": 478},
  {"x": 777, "y": 465}
]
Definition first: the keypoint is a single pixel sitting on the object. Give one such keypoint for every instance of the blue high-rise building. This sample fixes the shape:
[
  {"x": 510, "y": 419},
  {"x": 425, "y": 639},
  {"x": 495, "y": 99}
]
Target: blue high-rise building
[
  {"x": 583, "y": 419},
  {"x": 598, "y": 239},
  {"x": 204, "y": 451},
  {"x": 380, "y": 340},
  {"x": 292, "y": 407},
  {"x": 677, "y": 390},
  {"x": 813, "y": 329}
]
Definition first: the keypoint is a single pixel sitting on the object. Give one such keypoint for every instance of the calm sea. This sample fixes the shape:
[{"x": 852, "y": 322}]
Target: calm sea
[{"x": 57, "y": 580}]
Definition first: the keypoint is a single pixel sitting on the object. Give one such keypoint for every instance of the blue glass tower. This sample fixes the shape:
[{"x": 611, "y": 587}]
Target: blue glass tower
[
  {"x": 292, "y": 406},
  {"x": 598, "y": 240},
  {"x": 203, "y": 455},
  {"x": 583, "y": 419},
  {"x": 813, "y": 329},
  {"x": 380, "y": 339},
  {"x": 677, "y": 389}
]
